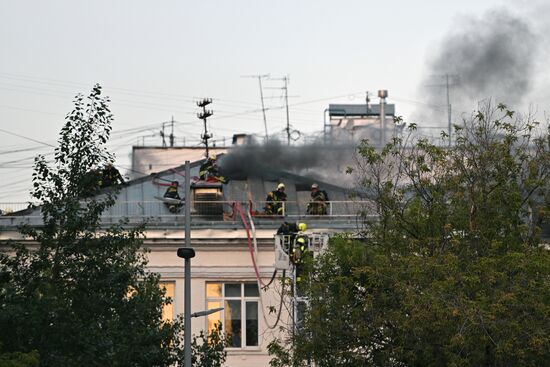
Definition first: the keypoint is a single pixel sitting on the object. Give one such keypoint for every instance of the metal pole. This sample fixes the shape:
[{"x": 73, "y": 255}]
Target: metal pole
[
  {"x": 383, "y": 119},
  {"x": 325, "y": 126},
  {"x": 382, "y": 94},
  {"x": 263, "y": 107},
  {"x": 448, "y": 107},
  {"x": 287, "y": 117},
  {"x": 187, "y": 285},
  {"x": 206, "y": 138},
  {"x": 172, "y": 134}
]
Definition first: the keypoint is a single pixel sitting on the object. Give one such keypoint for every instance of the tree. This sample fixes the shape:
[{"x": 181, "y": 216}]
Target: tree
[
  {"x": 453, "y": 271},
  {"x": 83, "y": 295},
  {"x": 209, "y": 348},
  {"x": 18, "y": 359}
]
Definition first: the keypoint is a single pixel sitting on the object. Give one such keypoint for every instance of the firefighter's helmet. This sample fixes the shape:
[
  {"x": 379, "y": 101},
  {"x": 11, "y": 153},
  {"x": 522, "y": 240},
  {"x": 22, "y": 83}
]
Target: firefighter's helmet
[
  {"x": 280, "y": 186},
  {"x": 302, "y": 227}
]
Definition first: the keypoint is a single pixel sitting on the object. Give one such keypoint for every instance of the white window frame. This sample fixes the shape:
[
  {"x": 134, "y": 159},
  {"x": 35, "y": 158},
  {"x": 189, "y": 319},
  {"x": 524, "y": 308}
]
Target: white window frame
[{"x": 244, "y": 300}]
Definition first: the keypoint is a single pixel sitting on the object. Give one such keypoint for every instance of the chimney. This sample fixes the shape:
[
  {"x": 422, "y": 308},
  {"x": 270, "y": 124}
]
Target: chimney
[{"x": 240, "y": 139}]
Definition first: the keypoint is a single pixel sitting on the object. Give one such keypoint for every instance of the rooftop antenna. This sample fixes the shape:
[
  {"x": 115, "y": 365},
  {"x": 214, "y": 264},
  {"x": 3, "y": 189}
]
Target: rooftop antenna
[
  {"x": 262, "y": 98},
  {"x": 162, "y": 136},
  {"x": 450, "y": 81},
  {"x": 285, "y": 79},
  {"x": 203, "y": 116},
  {"x": 172, "y": 138}
]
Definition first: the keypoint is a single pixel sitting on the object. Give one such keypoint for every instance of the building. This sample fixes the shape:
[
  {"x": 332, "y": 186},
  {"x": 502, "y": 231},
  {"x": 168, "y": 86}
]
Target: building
[
  {"x": 223, "y": 271},
  {"x": 353, "y": 122},
  {"x": 150, "y": 159}
]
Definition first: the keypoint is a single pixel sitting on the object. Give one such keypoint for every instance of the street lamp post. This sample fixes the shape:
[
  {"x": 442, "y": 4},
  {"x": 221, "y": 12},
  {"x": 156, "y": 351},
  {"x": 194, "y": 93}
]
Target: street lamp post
[{"x": 187, "y": 253}]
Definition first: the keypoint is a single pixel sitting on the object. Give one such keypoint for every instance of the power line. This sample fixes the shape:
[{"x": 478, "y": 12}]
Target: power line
[
  {"x": 154, "y": 94},
  {"x": 27, "y": 138}
]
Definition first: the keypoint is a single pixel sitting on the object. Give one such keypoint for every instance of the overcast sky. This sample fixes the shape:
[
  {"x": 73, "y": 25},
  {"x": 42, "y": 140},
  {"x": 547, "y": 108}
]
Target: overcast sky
[{"x": 155, "y": 58}]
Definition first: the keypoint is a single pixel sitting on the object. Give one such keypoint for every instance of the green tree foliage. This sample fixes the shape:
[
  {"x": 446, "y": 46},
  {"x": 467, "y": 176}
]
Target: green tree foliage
[
  {"x": 18, "y": 359},
  {"x": 453, "y": 271},
  {"x": 80, "y": 295},
  {"x": 208, "y": 348}
]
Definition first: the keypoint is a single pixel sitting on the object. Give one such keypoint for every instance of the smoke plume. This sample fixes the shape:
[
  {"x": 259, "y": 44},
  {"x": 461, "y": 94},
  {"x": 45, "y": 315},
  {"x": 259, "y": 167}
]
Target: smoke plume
[
  {"x": 269, "y": 160},
  {"x": 492, "y": 56}
]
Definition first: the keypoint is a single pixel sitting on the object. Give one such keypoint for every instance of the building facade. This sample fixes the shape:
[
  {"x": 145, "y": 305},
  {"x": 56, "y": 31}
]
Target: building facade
[{"x": 235, "y": 249}]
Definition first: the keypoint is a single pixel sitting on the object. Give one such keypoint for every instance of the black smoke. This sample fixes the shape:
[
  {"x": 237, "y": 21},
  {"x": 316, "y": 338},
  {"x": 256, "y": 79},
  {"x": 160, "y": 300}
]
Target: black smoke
[
  {"x": 492, "y": 56},
  {"x": 316, "y": 161}
]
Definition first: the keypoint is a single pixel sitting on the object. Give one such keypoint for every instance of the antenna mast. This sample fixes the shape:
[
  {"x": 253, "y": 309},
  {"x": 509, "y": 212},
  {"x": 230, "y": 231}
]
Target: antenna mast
[
  {"x": 262, "y": 98},
  {"x": 285, "y": 79},
  {"x": 172, "y": 133},
  {"x": 203, "y": 116}
]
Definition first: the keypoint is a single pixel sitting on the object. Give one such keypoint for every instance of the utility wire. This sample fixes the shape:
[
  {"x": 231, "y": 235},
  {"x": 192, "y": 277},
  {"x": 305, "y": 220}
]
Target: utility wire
[{"x": 25, "y": 137}]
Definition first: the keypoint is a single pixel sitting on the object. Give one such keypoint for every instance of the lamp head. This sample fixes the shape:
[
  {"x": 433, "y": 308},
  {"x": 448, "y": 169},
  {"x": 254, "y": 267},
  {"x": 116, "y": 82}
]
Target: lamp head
[{"x": 186, "y": 252}]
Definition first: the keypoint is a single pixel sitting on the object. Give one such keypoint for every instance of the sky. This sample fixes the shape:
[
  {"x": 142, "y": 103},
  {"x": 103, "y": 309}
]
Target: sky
[{"x": 156, "y": 59}]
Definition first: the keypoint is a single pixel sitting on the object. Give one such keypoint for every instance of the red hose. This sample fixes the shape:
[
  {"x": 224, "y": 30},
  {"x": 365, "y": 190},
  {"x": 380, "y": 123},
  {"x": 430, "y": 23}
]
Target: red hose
[{"x": 239, "y": 209}]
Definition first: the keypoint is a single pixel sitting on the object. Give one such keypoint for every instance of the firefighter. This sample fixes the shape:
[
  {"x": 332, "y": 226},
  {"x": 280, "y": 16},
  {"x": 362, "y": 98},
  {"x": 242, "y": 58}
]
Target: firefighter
[
  {"x": 300, "y": 249},
  {"x": 209, "y": 171},
  {"x": 300, "y": 254},
  {"x": 291, "y": 228},
  {"x": 172, "y": 193},
  {"x": 319, "y": 200},
  {"x": 289, "y": 231},
  {"x": 92, "y": 181},
  {"x": 274, "y": 200},
  {"x": 110, "y": 176}
]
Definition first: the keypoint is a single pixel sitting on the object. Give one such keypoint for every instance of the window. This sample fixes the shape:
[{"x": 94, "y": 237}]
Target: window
[
  {"x": 240, "y": 315},
  {"x": 168, "y": 309}
]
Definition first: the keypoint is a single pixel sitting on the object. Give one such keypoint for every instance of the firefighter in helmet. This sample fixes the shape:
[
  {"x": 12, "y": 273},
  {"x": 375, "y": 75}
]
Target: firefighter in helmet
[
  {"x": 274, "y": 200},
  {"x": 299, "y": 256},
  {"x": 110, "y": 176},
  {"x": 289, "y": 231},
  {"x": 319, "y": 201},
  {"x": 172, "y": 193},
  {"x": 209, "y": 171}
]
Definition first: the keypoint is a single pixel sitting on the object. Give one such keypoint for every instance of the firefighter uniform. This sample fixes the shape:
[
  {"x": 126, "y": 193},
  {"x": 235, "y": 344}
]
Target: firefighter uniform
[
  {"x": 110, "y": 176},
  {"x": 172, "y": 193},
  {"x": 274, "y": 201},
  {"x": 289, "y": 231},
  {"x": 318, "y": 203},
  {"x": 209, "y": 170}
]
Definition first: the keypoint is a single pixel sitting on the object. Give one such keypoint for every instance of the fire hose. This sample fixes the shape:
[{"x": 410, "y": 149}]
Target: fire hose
[{"x": 253, "y": 249}]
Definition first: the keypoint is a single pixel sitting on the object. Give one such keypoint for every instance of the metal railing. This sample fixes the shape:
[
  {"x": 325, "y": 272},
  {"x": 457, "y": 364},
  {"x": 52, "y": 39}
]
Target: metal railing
[
  {"x": 159, "y": 211},
  {"x": 7, "y": 208}
]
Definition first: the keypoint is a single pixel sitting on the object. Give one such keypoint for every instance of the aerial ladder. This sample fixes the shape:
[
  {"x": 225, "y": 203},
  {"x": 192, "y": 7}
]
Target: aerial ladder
[{"x": 316, "y": 243}]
